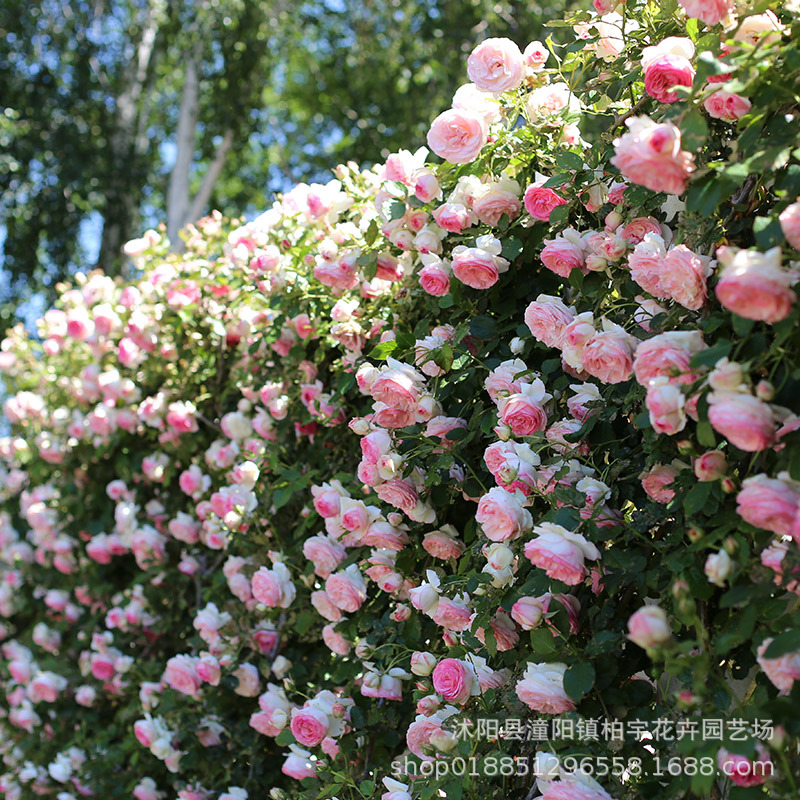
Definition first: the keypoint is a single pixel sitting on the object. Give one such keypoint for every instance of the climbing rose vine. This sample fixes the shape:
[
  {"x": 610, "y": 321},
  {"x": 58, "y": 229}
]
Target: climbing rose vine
[{"x": 477, "y": 478}]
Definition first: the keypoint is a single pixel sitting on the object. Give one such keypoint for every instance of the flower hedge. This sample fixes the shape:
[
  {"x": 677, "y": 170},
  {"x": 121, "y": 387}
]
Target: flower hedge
[{"x": 490, "y": 462}]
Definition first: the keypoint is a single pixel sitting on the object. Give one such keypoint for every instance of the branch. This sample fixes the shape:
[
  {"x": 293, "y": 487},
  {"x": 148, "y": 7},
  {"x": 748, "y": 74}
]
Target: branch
[{"x": 210, "y": 178}]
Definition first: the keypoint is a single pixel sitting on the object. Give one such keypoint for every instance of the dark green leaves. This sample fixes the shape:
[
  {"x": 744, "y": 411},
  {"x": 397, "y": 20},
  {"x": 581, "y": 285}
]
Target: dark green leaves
[{"x": 579, "y": 679}]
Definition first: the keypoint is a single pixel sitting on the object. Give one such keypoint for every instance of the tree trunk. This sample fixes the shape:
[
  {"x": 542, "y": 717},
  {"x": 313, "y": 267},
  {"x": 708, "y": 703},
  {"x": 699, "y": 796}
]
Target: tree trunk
[
  {"x": 178, "y": 189},
  {"x": 119, "y": 212},
  {"x": 200, "y": 201}
]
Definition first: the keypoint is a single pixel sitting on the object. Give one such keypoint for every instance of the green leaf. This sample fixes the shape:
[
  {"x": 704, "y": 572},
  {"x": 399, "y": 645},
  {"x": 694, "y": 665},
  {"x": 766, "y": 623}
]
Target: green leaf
[
  {"x": 453, "y": 790},
  {"x": 794, "y": 463},
  {"x": 396, "y": 209},
  {"x": 579, "y": 679},
  {"x": 382, "y": 351},
  {"x": 305, "y": 619},
  {"x": 446, "y": 301},
  {"x": 443, "y": 357},
  {"x": 542, "y": 641},
  {"x": 768, "y": 232},
  {"x": 707, "y": 193},
  {"x": 285, "y": 738},
  {"x": 371, "y": 233},
  {"x": 783, "y": 643},
  {"x": 694, "y": 131},
  {"x": 282, "y": 496},
  {"x": 457, "y": 434},
  {"x": 696, "y": 497},
  {"x": 709, "y": 357},
  {"x": 482, "y": 327},
  {"x": 366, "y": 788},
  {"x": 705, "y": 434},
  {"x": 512, "y": 247},
  {"x": 741, "y": 325},
  {"x": 569, "y": 160}
]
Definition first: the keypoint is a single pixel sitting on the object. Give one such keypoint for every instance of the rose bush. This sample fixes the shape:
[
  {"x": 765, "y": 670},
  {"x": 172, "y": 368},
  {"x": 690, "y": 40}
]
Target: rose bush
[{"x": 512, "y": 436}]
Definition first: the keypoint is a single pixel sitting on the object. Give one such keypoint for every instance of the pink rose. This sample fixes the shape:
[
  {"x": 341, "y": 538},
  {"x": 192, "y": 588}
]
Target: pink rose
[
  {"x": 502, "y": 515},
  {"x": 354, "y": 518},
  {"x": 667, "y": 354},
  {"x": 540, "y": 201},
  {"x": 451, "y": 615},
  {"x": 769, "y": 503},
  {"x": 339, "y": 275},
  {"x": 493, "y": 202},
  {"x": 608, "y": 356},
  {"x": 480, "y": 266},
  {"x": 745, "y": 421},
  {"x": 773, "y": 557},
  {"x": 458, "y": 136},
  {"x": 753, "y": 285},
  {"x": 422, "y": 663},
  {"x": 453, "y": 217},
  {"x": 327, "y": 498},
  {"x": 650, "y": 154},
  {"x": 744, "y": 772},
  {"x": 635, "y": 230},
  {"x": 297, "y": 764},
  {"x": 442, "y": 544},
  {"x": 399, "y": 493},
  {"x": 397, "y": 385},
  {"x": 754, "y": 27},
  {"x": 325, "y": 553},
  {"x": 47, "y": 686},
  {"x": 710, "y": 466},
  {"x": 145, "y": 732},
  {"x": 726, "y": 105},
  {"x": 535, "y": 56},
  {"x": 527, "y": 612},
  {"x": 426, "y": 185},
  {"x": 562, "y": 256},
  {"x": 453, "y": 680},
  {"x": 560, "y": 553},
  {"x": 273, "y": 587},
  {"x": 523, "y": 414},
  {"x": 435, "y": 279},
  {"x": 309, "y": 725},
  {"x": 710, "y": 12},
  {"x": 547, "y": 318},
  {"x": 146, "y": 790},
  {"x": 249, "y": 683},
  {"x": 657, "y": 481},
  {"x": 577, "y": 335},
  {"x": 684, "y": 277},
  {"x": 347, "y": 590},
  {"x": 664, "y": 73},
  {"x": 542, "y": 689},
  {"x": 496, "y": 65},
  {"x": 648, "y": 627},
  {"x": 208, "y": 670},
  {"x": 505, "y": 379},
  {"x": 783, "y": 670},
  {"x": 418, "y": 735},
  {"x": 324, "y": 606},
  {"x": 665, "y": 402},
  {"x": 790, "y": 224},
  {"x": 677, "y": 274},
  {"x": 383, "y": 535},
  {"x": 181, "y": 675}
]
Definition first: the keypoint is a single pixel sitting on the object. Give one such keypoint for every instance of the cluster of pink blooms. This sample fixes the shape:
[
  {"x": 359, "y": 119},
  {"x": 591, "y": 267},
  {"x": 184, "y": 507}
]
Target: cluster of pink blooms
[{"x": 268, "y": 327}]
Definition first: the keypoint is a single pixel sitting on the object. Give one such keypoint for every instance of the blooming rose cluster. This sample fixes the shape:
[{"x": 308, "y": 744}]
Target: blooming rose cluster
[{"x": 427, "y": 441}]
